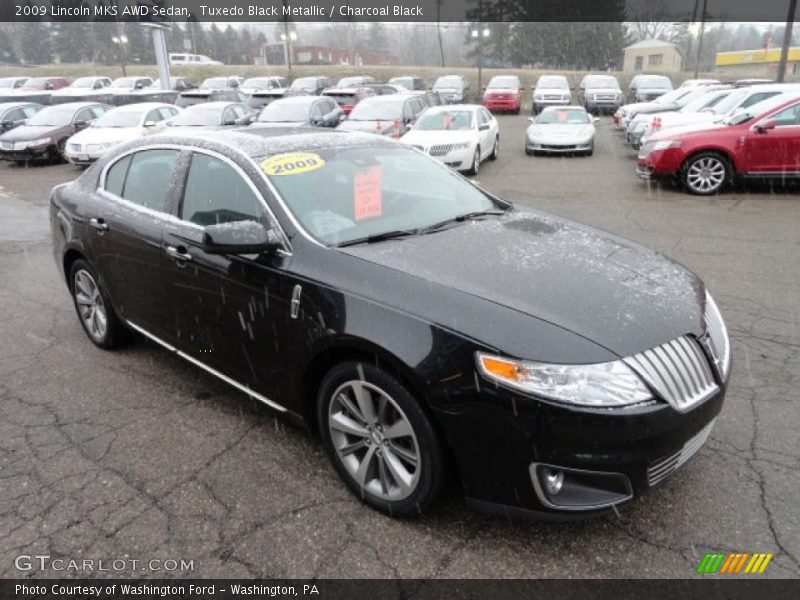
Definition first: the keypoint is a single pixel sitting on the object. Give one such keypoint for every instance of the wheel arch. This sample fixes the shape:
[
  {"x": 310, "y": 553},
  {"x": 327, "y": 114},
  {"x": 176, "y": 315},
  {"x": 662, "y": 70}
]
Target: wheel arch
[{"x": 724, "y": 152}]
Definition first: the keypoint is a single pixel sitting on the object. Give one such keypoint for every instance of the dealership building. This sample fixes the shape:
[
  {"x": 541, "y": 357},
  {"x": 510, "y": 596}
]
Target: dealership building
[{"x": 763, "y": 61}]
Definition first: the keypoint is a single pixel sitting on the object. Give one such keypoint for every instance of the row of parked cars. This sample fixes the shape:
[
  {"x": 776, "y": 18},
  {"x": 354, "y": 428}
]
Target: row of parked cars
[{"x": 708, "y": 134}]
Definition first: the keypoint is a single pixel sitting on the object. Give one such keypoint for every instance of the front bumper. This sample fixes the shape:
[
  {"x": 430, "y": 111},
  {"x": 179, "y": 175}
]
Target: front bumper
[
  {"x": 509, "y": 104},
  {"x": 28, "y": 154},
  {"x": 81, "y": 159},
  {"x": 550, "y": 148},
  {"x": 502, "y": 440},
  {"x": 540, "y": 104}
]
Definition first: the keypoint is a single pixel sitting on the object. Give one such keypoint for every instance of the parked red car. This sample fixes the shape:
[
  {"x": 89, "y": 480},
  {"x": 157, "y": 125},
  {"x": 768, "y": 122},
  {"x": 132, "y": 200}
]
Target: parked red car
[
  {"x": 40, "y": 84},
  {"x": 764, "y": 146},
  {"x": 504, "y": 93}
]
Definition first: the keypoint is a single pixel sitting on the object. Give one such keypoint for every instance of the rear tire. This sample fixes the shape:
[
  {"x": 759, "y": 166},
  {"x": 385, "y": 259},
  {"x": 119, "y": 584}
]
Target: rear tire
[
  {"x": 380, "y": 440},
  {"x": 93, "y": 306},
  {"x": 706, "y": 173}
]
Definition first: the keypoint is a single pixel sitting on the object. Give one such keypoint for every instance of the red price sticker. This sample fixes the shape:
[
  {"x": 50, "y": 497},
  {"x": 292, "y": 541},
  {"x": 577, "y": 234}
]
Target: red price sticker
[
  {"x": 367, "y": 193},
  {"x": 562, "y": 116}
]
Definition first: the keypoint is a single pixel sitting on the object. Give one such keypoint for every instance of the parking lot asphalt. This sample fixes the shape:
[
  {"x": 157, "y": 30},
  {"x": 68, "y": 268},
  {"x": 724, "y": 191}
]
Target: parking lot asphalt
[{"x": 136, "y": 455}]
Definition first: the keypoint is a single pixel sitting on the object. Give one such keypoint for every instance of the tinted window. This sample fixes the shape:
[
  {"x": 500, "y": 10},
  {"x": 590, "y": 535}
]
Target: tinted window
[
  {"x": 787, "y": 117},
  {"x": 29, "y": 111},
  {"x": 115, "y": 177},
  {"x": 13, "y": 115},
  {"x": 216, "y": 193},
  {"x": 757, "y": 98},
  {"x": 84, "y": 115},
  {"x": 154, "y": 116},
  {"x": 167, "y": 113},
  {"x": 98, "y": 111},
  {"x": 149, "y": 177}
]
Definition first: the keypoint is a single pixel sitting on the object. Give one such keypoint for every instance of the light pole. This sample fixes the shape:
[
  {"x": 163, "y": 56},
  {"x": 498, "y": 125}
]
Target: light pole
[
  {"x": 787, "y": 40},
  {"x": 121, "y": 40},
  {"x": 288, "y": 37},
  {"x": 480, "y": 35}
]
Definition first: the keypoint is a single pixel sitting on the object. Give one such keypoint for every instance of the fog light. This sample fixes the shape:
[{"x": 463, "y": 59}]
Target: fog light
[{"x": 553, "y": 481}]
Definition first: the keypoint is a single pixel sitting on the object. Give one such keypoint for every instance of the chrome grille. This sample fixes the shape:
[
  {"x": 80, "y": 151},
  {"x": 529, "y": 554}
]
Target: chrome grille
[
  {"x": 677, "y": 371},
  {"x": 441, "y": 149},
  {"x": 666, "y": 466},
  {"x": 717, "y": 340}
]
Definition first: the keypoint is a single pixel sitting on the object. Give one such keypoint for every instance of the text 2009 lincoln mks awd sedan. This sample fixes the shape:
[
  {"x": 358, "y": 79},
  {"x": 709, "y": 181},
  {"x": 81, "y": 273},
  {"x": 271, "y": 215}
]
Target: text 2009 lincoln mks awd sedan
[{"x": 426, "y": 329}]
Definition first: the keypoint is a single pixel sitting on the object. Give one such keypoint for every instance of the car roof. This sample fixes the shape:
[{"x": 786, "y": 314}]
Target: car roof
[
  {"x": 557, "y": 108},
  {"x": 76, "y": 105},
  {"x": 257, "y": 142},
  {"x": 206, "y": 105},
  {"x": 4, "y": 106},
  {"x": 141, "y": 106}
]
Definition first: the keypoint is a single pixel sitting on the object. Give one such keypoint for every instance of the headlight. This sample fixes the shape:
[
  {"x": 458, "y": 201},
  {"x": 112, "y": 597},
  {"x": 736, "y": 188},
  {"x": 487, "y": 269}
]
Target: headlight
[
  {"x": 40, "y": 141},
  {"x": 604, "y": 384}
]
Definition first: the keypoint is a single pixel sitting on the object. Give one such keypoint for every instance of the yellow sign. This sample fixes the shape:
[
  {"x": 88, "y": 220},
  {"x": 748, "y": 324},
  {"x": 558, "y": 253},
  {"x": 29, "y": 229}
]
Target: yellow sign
[
  {"x": 292, "y": 163},
  {"x": 748, "y": 57}
]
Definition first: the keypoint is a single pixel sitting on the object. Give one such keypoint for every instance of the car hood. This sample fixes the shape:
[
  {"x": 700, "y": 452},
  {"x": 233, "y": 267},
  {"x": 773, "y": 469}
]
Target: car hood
[
  {"x": 621, "y": 296},
  {"x": 371, "y": 126},
  {"x": 102, "y": 135},
  {"x": 427, "y": 138},
  {"x": 559, "y": 131},
  {"x": 279, "y": 124},
  {"x": 669, "y": 130},
  {"x": 30, "y": 132},
  {"x": 547, "y": 90}
]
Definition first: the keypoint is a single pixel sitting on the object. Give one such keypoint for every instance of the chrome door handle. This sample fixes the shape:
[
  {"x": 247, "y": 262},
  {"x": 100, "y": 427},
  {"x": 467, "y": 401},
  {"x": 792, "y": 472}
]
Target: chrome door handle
[
  {"x": 98, "y": 224},
  {"x": 178, "y": 254}
]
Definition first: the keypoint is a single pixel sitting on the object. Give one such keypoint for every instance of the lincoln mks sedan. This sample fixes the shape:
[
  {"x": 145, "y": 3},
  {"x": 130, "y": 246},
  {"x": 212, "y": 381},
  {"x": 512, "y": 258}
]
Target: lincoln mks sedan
[{"x": 429, "y": 332}]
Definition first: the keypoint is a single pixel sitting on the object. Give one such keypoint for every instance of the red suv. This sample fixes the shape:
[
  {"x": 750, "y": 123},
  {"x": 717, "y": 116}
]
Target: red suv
[
  {"x": 504, "y": 92},
  {"x": 766, "y": 145}
]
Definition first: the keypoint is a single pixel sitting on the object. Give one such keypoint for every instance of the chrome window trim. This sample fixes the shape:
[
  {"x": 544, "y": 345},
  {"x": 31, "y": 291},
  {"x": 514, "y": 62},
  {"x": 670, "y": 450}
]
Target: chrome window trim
[
  {"x": 239, "y": 386},
  {"x": 287, "y": 250}
]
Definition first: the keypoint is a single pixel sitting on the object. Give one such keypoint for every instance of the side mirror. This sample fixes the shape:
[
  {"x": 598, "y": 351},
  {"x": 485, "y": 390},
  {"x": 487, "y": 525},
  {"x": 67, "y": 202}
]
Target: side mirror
[
  {"x": 81, "y": 124},
  {"x": 139, "y": 85},
  {"x": 149, "y": 123},
  {"x": 484, "y": 127},
  {"x": 764, "y": 126},
  {"x": 240, "y": 237}
]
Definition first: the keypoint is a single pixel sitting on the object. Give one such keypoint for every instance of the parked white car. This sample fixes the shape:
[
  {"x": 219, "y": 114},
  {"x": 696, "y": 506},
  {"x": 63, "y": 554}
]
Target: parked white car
[
  {"x": 192, "y": 60},
  {"x": 738, "y": 100},
  {"x": 260, "y": 84},
  {"x": 561, "y": 130},
  {"x": 459, "y": 135},
  {"x": 551, "y": 90},
  {"x": 82, "y": 87},
  {"x": 117, "y": 126}
]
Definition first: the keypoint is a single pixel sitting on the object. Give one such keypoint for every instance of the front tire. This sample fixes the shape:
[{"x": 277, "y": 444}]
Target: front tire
[
  {"x": 706, "y": 173},
  {"x": 496, "y": 149},
  {"x": 95, "y": 312},
  {"x": 476, "y": 162},
  {"x": 380, "y": 440}
]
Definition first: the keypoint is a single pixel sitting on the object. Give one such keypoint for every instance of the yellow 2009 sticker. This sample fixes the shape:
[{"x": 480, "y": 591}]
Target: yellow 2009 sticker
[{"x": 292, "y": 163}]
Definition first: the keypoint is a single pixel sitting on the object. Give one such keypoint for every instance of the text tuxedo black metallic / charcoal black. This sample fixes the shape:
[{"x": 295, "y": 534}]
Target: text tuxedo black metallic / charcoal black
[{"x": 426, "y": 329}]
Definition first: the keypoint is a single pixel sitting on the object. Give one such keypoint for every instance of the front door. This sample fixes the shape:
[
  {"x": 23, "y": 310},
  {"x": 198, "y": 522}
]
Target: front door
[
  {"x": 229, "y": 312},
  {"x": 776, "y": 151},
  {"x": 125, "y": 222}
]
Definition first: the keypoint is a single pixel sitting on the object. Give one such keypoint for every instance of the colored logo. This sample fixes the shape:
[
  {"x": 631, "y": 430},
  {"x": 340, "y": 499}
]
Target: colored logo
[{"x": 730, "y": 563}]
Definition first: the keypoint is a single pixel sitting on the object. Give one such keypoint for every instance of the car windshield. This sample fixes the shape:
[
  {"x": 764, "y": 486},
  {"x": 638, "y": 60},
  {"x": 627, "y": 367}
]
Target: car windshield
[
  {"x": 448, "y": 82},
  {"x": 563, "y": 116},
  {"x": 446, "y": 120},
  {"x": 601, "y": 82},
  {"x": 673, "y": 96},
  {"x": 349, "y": 82},
  {"x": 119, "y": 118},
  {"x": 373, "y": 191},
  {"x": 304, "y": 83},
  {"x": 284, "y": 112},
  {"x": 198, "y": 116},
  {"x": 379, "y": 110},
  {"x": 6, "y": 83},
  {"x": 256, "y": 83},
  {"x": 124, "y": 82},
  {"x": 654, "y": 83},
  {"x": 37, "y": 83},
  {"x": 503, "y": 83},
  {"x": 83, "y": 82},
  {"x": 705, "y": 100},
  {"x": 732, "y": 102},
  {"x": 52, "y": 116},
  {"x": 214, "y": 83},
  {"x": 552, "y": 83}
]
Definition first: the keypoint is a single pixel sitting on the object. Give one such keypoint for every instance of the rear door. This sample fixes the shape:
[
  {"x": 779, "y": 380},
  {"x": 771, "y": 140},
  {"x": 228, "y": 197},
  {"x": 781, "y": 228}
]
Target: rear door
[{"x": 126, "y": 220}]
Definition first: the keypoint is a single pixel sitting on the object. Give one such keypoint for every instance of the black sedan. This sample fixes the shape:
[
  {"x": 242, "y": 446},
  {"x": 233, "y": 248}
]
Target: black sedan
[
  {"x": 14, "y": 114},
  {"x": 320, "y": 111},
  {"x": 425, "y": 329},
  {"x": 45, "y": 134}
]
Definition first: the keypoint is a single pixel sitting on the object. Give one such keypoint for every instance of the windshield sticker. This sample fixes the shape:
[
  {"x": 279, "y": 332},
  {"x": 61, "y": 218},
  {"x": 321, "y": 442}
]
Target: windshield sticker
[
  {"x": 367, "y": 193},
  {"x": 292, "y": 163},
  {"x": 562, "y": 116}
]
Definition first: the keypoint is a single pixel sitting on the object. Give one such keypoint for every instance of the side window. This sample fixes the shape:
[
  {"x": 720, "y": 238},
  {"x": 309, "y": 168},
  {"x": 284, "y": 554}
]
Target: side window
[
  {"x": 29, "y": 111},
  {"x": 85, "y": 114},
  {"x": 239, "y": 111},
  {"x": 149, "y": 177},
  {"x": 115, "y": 176},
  {"x": 167, "y": 113},
  {"x": 316, "y": 111},
  {"x": 788, "y": 117},
  {"x": 98, "y": 111},
  {"x": 228, "y": 115},
  {"x": 154, "y": 116},
  {"x": 216, "y": 193},
  {"x": 13, "y": 115},
  {"x": 755, "y": 98},
  {"x": 408, "y": 110}
]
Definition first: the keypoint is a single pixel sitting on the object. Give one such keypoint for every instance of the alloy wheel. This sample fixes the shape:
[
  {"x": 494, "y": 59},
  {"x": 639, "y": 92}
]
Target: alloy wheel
[
  {"x": 706, "y": 175},
  {"x": 476, "y": 161},
  {"x": 374, "y": 440},
  {"x": 90, "y": 304}
]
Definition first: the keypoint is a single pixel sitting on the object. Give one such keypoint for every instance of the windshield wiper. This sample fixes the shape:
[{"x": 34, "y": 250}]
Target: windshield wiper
[
  {"x": 379, "y": 237},
  {"x": 461, "y": 218}
]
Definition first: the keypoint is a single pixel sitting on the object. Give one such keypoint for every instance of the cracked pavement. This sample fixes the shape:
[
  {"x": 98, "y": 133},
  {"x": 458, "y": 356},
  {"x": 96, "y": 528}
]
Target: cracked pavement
[{"x": 136, "y": 454}]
